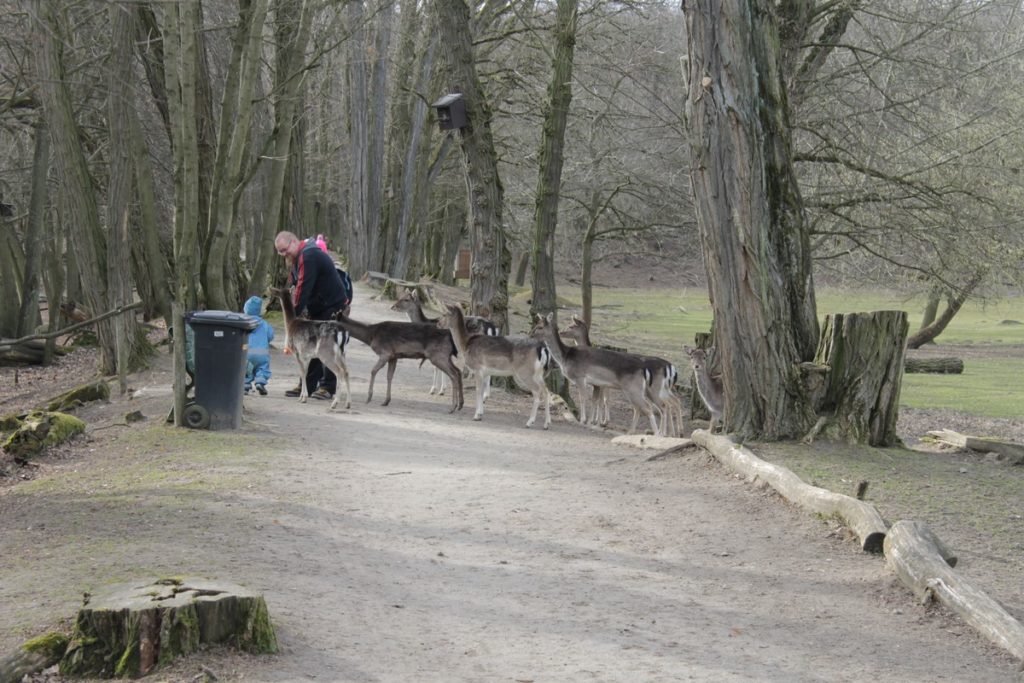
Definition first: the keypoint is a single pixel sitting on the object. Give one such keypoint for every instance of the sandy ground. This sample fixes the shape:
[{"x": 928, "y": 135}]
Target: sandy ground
[{"x": 408, "y": 544}]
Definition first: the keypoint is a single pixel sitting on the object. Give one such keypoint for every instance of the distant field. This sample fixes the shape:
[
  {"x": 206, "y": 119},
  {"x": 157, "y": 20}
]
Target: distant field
[{"x": 992, "y": 385}]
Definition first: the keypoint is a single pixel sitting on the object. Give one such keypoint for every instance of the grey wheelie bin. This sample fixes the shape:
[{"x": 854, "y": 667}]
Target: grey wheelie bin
[{"x": 221, "y": 342}]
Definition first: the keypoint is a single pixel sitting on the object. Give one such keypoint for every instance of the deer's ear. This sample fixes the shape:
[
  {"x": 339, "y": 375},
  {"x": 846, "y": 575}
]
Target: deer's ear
[{"x": 550, "y": 317}]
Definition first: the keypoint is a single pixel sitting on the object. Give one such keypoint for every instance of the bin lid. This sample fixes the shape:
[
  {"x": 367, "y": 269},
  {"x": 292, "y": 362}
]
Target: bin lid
[{"x": 223, "y": 319}]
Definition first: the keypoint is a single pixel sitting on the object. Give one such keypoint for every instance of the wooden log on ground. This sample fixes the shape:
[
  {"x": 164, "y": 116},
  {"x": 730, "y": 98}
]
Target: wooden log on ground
[
  {"x": 132, "y": 628},
  {"x": 1013, "y": 452},
  {"x": 32, "y": 657},
  {"x": 936, "y": 366},
  {"x": 917, "y": 557},
  {"x": 862, "y": 518},
  {"x": 85, "y": 393}
]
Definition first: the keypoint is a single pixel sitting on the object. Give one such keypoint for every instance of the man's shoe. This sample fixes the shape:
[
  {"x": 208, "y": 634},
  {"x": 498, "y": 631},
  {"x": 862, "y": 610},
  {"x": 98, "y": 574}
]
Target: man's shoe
[
  {"x": 262, "y": 388},
  {"x": 294, "y": 393},
  {"x": 322, "y": 394}
]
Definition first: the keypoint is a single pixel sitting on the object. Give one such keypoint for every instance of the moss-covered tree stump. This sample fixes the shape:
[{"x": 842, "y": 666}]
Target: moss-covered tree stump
[
  {"x": 40, "y": 430},
  {"x": 132, "y": 628},
  {"x": 93, "y": 391}
]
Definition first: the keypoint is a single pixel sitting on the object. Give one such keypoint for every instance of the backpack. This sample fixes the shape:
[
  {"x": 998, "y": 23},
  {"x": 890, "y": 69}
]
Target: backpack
[{"x": 346, "y": 284}]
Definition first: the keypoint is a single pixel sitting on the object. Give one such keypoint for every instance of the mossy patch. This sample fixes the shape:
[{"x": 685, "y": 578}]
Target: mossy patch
[
  {"x": 93, "y": 391},
  {"x": 50, "y": 644},
  {"x": 41, "y": 430}
]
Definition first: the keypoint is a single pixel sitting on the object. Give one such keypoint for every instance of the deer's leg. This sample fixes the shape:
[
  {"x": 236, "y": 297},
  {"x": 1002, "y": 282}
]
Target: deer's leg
[
  {"x": 455, "y": 374},
  {"x": 373, "y": 374},
  {"x": 545, "y": 395},
  {"x": 303, "y": 393},
  {"x": 348, "y": 387},
  {"x": 392, "y": 364},
  {"x": 582, "y": 386},
  {"x": 480, "y": 379}
]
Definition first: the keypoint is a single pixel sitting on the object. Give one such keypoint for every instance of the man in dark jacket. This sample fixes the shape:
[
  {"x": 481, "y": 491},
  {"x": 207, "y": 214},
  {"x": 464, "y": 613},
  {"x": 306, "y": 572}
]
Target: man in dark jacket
[{"x": 317, "y": 294}]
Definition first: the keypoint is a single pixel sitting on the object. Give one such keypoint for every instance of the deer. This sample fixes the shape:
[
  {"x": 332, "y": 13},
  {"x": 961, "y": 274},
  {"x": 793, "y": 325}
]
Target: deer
[
  {"x": 487, "y": 356},
  {"x": 393, "y": 340},
  {"x": 309, "y": 339},
  {"x": 660, "y": 392},
  {"x": 711, "y": 389},
  {"x": 590, "y": 366},
  {"x": 409, "y": 303}
]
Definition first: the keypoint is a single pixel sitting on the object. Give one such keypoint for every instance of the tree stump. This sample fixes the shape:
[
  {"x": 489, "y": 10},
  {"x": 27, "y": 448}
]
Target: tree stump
[
  {"x": 132, "y": 628},
  {"x": 935, "y": 366},
  {"x": 39, "y": 430},
  {"x": 864, "y": 353}
]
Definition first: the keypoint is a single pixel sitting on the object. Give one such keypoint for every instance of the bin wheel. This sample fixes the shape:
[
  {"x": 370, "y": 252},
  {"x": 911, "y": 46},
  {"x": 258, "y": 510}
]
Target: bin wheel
[{"x": 196, "y": 417}]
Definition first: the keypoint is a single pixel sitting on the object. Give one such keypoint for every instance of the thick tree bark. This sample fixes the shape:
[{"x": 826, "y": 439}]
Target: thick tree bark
[
  {"x": 751, "y": 218},
  {"x": 552, "y": 152},
  {"x": 146, "y": 240},
  {"x": 864, "y": 354},
  {"x": 130, "y": 629},
  {"x": 179, "y": 52},
  {"x": 491, "y": 258},
  {"x": 28, "y": 317},
  {"x": 130, "y": 343},
  {"x": 78, "y": 192}
]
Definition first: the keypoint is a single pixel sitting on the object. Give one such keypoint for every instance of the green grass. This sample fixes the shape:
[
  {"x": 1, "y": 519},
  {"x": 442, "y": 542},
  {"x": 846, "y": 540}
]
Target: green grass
[{"x": 660, "y": 321}]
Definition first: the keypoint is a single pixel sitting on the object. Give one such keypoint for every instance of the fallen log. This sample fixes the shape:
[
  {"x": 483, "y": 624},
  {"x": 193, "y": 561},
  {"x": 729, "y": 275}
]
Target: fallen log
[
  {"x": 132, "y": 628},
  {"x": 935, "y": 366},
  {"x": 921, "y": 562},
  {"x": 1013, "y": 452},
  {"x": 32, "y": 657},
  {"x": 862, "y": 518}
]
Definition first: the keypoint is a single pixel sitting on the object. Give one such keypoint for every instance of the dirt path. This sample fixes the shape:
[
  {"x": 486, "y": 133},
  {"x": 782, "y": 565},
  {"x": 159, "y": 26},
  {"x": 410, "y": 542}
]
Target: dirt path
[{"x": 407, "y": 544}]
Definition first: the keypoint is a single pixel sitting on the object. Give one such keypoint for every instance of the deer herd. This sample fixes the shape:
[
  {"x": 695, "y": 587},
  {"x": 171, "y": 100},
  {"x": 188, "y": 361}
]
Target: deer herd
[{"x": 456, "y": 342}]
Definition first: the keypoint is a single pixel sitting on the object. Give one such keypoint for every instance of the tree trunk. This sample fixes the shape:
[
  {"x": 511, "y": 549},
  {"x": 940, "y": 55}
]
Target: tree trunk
[
  {"x": 552, "y": 146},
  {"x": 953, "y": 305},
  {"x": 293, "y": 18},
  {"x": 146, "y": 240},
  {"x": 233, "y": 141},
  {"x": 751, "y": 218},
  {"x": 78, "y": 190},
  {"x": 491, "y": 259},
  {"x": 931, "y": 308},
  {"x": 864, "y": 354},
  {"x": 130, "y": 342},
  {"x": 179, "y": 51},
  {"x": 132, "y": 628},
  {"x": 28, "y": 317}
]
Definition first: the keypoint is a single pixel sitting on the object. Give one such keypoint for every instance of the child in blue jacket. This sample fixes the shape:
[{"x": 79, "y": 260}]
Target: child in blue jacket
[{"x": 257, "y": 366}]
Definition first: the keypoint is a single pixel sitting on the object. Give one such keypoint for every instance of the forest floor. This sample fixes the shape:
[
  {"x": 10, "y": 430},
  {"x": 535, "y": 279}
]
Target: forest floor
[{"x": 406, "y": 543}]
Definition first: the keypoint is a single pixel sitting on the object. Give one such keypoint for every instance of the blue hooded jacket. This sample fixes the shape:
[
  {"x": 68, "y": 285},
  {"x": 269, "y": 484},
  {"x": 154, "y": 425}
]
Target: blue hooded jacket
[{"x": 260, "y": 338}]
